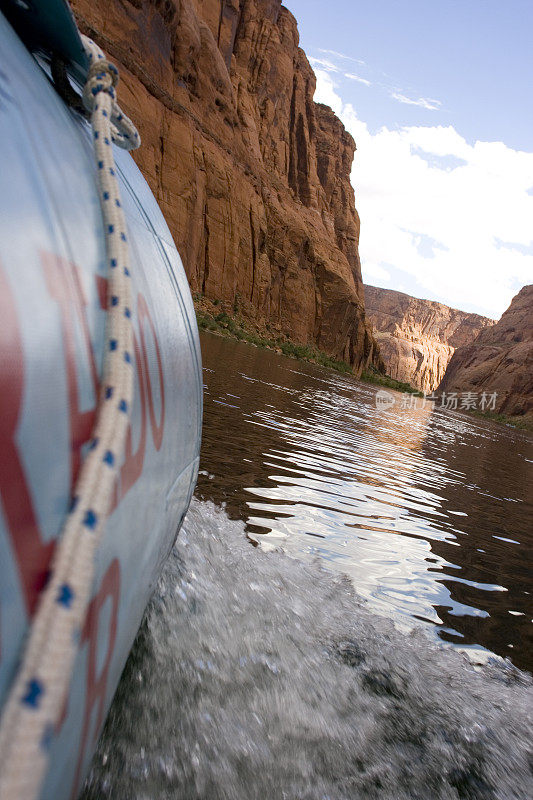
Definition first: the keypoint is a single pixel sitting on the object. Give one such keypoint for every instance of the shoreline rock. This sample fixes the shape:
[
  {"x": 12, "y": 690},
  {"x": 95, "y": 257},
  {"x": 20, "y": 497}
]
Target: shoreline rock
[
  {"x": 499, "y": 360},
  {"x": 417, "y": 338}
]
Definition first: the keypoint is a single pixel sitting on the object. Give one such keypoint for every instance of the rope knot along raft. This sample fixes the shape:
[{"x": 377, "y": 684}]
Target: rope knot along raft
[
  {"x": 36, "y": 699},
  {"x": 102, "y": 77},
  {"x": 101, "y": 80}
]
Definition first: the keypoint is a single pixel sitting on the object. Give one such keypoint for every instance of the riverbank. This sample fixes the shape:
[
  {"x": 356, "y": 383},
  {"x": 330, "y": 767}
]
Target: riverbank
[
  {"x": 523, "y": 423},
  {"x": 216, "y": 317}
]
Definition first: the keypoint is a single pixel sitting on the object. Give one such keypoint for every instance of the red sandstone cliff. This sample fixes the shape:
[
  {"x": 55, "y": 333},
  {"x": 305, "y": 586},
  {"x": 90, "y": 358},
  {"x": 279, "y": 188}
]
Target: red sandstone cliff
[
  {"x": 499, "y": 360},
  {"x": 417, "y": 338},
  {"x": 252, "y": 176}
]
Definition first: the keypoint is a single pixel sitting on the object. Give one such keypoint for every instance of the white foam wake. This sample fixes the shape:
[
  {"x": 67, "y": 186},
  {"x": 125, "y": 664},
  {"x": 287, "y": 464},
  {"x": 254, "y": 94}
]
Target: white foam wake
[{"x": 256, "y": 675}]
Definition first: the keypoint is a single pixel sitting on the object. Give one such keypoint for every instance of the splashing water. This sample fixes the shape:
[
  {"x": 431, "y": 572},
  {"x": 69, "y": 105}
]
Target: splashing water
[{"x": 257, "y": 675}]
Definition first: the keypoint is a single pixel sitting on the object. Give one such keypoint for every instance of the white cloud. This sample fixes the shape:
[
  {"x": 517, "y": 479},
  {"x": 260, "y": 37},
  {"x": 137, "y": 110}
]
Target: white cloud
[
  {"x": 422, "y": 102},
  {"x": 474, "y": 219},
  {"x": 326, "y": 91},
  {"x": 353, "y": 77},
  {"x": 324, "y": 64},
  {"x": 340, "y": 55},
  {"x": 377, "y": 273}
]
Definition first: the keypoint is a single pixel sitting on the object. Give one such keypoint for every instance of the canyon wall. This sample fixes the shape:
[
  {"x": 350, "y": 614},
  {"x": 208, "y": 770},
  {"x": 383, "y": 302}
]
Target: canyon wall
[
  {"x": 499, "y": 360},
  {"x": 252, "y": 175},
  {"x": 417, "y": 338}
]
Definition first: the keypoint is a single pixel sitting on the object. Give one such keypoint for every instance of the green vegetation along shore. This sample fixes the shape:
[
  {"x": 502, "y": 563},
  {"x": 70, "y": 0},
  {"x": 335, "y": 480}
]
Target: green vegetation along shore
[
  {"x": 214, "y": 316},
  {"x": 524, "y": 423}
]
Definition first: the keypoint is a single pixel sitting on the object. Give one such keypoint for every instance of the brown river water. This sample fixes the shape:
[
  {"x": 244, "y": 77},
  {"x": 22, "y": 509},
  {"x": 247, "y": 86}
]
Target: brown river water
[{"x": 429, "y": 512}]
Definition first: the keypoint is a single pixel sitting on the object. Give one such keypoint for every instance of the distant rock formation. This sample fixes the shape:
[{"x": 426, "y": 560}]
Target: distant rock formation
[
  {"x": 252, "y": 175},
  {"x": 499, "y": 360},
  {"x": 417, "y": 338}
]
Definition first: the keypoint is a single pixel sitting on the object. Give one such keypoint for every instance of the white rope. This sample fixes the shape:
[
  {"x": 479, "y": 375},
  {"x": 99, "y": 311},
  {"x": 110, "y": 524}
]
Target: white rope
[{"x": 36, "y": 699}]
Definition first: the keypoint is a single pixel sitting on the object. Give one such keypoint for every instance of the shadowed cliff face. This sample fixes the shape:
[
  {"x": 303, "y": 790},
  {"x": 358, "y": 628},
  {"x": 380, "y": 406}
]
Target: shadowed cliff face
[
  {"x": 252, "y": 176},
  {"x": 417, "y": 338},
  {"x": 500, "y": 360}
]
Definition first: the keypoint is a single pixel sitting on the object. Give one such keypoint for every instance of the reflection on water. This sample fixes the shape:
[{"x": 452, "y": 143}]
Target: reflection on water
[{"x": 428, "y": 512}]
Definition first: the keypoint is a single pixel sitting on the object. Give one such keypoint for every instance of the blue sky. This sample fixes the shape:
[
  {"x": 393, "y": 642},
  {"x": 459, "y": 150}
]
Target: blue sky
[{"x": 438, "y": 98}]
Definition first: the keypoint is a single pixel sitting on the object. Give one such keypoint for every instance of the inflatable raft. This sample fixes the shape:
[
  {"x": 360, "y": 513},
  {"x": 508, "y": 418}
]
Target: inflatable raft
[{"x": 54, "y": 308}]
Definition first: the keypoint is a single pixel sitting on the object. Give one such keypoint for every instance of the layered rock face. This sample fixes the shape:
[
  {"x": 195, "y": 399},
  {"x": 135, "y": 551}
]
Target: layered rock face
[
  {"x": 417, "y": 338},
  {"x": 252, "y": 176},
  {"x": 499, "y": 360}
]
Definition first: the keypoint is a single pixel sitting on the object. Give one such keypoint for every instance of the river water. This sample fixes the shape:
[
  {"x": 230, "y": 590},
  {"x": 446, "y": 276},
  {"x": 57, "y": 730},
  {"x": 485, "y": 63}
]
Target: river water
[
  {"x": 329, "y": 667},
  {"x": 429, "y": 512}
]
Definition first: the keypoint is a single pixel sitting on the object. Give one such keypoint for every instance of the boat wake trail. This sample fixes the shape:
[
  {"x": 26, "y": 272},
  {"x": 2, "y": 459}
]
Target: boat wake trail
[{"x": 256, "y": 675}]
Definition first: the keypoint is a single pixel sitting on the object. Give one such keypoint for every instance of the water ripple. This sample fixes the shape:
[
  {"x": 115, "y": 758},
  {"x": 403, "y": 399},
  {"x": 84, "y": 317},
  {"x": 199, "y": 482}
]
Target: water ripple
[{"x": 428, "y": 512}]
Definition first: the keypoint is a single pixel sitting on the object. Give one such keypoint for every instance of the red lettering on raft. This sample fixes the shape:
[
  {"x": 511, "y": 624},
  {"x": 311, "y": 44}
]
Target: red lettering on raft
[
  {"x": 157, "y": 430},
  {"x": 133, "y": 463},
  {"x": 63, "y": 280},
  {"x": 64, "y": 284},
  {"x": 31, "y": 553}
]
